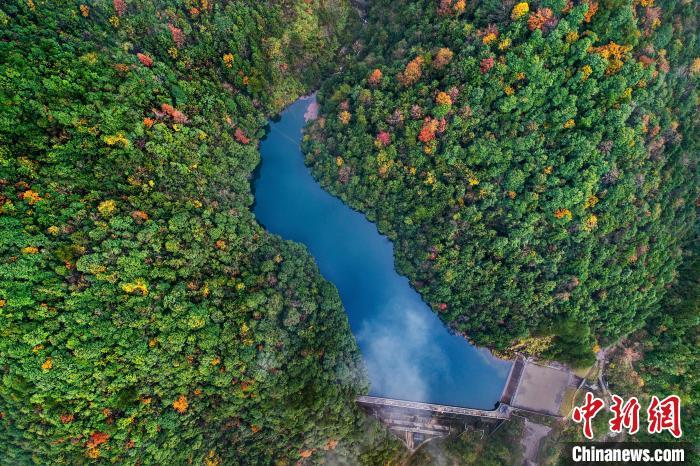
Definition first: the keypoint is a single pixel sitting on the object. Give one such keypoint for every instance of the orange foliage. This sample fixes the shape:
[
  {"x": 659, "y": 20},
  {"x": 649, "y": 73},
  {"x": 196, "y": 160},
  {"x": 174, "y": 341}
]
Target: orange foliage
[
  {"x": 240, "y": 136},
  {"x": 561, "y": 213},
  {"x": 542, "y": 19},
  {"x": 489, "y": 35},
  {"x": 331, "y": 444},
  {"x": 145, "y": 59},
  {"x": 443, "y": 98},
  {"x": 486, "y": 64},
  {"x": 614, "y": 53},
  {"x": 375, "y": 77},
  {"x": 228, "y": 60},
  {"x": 344, "y": 117},
  {"x": 427, "y": 132},
  {"x": 67, "y": 418},
  {"x": 412, "y": 73},
  {"x": 592, "y": 9},
  {"x": 97, "y": 439},
  {"x": 444, "y": 7},
  {"x": 488, "y": 38},
  {"x": 306, "y": 453},
  {"x": 450, "y": 6},
  {"x": 181, "y": 404},
  {"x": 176, "y": 115},
  {"x": 590, "y": 223},
  {"x": 139, "y": 215},
  {"x": 442, "y": 57},
  {"x": 695, "y": 66},
  {"x": 612, "y": 50},
  {"x": 646, "y": 61},
  {"x": 177, "y": 35},
  {"x": 31, "y": 197}
]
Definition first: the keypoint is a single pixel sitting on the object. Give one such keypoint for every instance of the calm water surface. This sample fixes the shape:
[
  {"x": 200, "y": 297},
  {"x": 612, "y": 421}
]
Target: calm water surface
[{"x": 409, "y": 353}]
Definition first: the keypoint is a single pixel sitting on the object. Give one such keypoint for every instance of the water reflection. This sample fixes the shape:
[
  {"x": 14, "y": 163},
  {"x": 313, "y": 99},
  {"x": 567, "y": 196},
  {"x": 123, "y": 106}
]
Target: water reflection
[{"x": 409, "y": 354}]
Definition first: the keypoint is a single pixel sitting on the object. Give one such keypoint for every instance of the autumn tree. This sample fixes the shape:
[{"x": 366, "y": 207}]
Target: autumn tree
[
  {"x": 375, "y": 77},
  {"x": 442, "y": 58},
  {"x": 412, "y": 73}
]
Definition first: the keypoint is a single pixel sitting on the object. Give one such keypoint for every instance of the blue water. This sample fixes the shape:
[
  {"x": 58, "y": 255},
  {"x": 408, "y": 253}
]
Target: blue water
[{"x": 408, "y": 352}]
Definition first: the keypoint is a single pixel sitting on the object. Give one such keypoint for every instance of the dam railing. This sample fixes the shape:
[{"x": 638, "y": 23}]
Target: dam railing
[{"x": 415, "y": 422}]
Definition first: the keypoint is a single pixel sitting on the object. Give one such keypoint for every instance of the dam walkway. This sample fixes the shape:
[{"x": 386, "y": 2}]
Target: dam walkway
[{"x": 530, "y": 388}]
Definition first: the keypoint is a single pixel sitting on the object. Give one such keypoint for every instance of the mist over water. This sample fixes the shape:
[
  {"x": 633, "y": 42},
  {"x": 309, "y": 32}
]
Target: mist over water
[
  {"x": 408, "y": 352},
  {"x": 394, "y": 342}
]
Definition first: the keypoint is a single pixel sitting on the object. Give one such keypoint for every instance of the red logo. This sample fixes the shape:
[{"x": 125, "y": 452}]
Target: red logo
[
  {"x": 661, "y": 414},
  {"x": 587, "y": 412},
  {"x": 625, "y": 415},
  {"x": 665, "y": 415}
]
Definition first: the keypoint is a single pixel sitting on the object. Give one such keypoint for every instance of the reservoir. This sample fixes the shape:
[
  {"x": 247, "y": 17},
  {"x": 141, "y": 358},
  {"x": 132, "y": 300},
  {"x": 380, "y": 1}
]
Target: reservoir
[{"x": 409, "y": 353}]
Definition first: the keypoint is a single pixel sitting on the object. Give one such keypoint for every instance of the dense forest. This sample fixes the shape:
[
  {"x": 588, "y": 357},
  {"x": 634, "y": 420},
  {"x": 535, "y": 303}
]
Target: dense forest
[
  {"x": 661, "y": 358},
  {"x": 535, "y": 164},
  {"x": 664, "y": 356},
  {"x": 502, "y": 447},
  {"x": 147, "y": 318}
]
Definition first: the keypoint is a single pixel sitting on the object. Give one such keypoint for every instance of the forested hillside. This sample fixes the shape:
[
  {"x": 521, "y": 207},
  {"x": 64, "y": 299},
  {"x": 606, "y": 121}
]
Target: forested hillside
[
  {"x": 664, "y": 357},
  {"x": 535, "y": 163},
  {"x": 146, "y": 317},
  {"x": 661, "y": 358}
]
